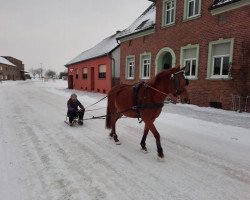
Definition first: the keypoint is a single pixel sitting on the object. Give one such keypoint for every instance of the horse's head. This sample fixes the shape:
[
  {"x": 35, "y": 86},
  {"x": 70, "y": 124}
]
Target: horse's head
[
  {"x": 171, "y": 81},
  {"x": 179, "y": 83}
]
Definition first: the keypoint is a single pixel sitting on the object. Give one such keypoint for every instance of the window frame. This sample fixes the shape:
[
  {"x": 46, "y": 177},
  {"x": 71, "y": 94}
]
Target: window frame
[
  {"x": 164, "y": 13},
  {"x": 102, "y": 75},
  {"x": 127, "y": 67},
  {"x": 210, "y": 63},
  {"x": 186, "y": 10},
  {"x": 182, "y": 60},
  {"x": 84, "y": 75},
  {"x": 142, "y": 65}
]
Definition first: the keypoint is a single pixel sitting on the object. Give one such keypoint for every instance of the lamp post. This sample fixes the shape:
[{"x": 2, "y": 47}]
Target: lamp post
[{"x": 41, "y": 70}]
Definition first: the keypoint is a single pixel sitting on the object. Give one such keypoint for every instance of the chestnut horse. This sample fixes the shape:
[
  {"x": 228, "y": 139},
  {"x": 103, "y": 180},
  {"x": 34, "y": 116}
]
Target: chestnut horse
[{"x": 146, "y": 104}]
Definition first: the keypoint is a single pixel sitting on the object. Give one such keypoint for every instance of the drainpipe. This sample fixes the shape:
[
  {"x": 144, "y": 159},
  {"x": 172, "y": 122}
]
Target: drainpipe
[{"x": 112, "y": 66}]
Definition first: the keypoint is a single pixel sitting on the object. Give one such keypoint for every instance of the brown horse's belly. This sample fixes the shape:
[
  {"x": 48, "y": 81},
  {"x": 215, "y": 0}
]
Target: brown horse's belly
[{"x": 131, "y": 114}]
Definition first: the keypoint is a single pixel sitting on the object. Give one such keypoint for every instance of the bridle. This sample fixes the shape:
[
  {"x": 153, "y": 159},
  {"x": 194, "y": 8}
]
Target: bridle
[{"x": 176, "y": 82}]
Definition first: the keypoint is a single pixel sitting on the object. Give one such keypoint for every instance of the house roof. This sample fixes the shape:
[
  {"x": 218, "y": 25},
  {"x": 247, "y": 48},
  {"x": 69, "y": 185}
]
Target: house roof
[
  {"x": 220, "y": 3},
  {"x": 6, "y": 62},
  {"x": 103, "y": 48},
  {"x": 144, "y": 22}
]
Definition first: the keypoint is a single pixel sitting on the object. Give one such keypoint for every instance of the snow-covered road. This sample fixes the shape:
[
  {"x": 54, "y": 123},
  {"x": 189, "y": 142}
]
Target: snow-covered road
[{"x": 207, "y": 151}]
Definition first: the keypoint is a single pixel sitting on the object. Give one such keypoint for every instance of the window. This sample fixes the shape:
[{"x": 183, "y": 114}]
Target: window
[
  {"x": 169, "y": 12},
  {"x": 6, "y": 77},
  {"x": 145, "y": 65},
  {"x": 85, "y": 73},
  {"x": 221, "y": 53},
  {"x": 192, "y": 8},
  {"x": 141, "y": 25},
  {"x": 130, "y": 67},
  {"x": 190, "y": 57},
  {"x": 77, "y": 72},
  {"x": 220, "y": 58},
  {"x": 1, "y": 77},
  {"x": 1, "y": 68},
  {"x": 102, "y": 71}
]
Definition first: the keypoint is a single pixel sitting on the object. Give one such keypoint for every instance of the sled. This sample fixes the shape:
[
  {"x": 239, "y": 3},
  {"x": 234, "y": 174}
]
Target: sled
[{"x": 75, "y": 121}]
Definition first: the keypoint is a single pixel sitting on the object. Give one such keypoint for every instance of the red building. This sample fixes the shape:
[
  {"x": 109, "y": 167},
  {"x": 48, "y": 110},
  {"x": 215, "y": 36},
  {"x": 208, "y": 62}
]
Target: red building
[
  {"x": 212, "y": 37},
  {"x": 96, "y": 69}
]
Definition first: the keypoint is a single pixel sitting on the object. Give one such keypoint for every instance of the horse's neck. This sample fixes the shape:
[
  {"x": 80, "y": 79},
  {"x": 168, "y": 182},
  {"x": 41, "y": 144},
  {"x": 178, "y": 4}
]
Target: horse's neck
[{"x": 158, "y": 93}]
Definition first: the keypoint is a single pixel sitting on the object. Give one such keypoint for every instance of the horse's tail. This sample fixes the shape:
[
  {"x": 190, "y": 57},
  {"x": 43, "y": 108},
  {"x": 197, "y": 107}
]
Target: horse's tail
[{"x": 108, "y": 116}]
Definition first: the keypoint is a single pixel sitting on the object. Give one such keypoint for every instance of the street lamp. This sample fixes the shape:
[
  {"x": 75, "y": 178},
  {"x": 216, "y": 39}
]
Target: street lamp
[{"x": 41, "y": 70}]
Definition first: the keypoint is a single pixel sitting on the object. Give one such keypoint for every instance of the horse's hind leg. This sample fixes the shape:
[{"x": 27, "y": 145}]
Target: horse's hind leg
[
  {"x": 157, "y": 138},
  {"x": 113, "y": 132},
  {"x": 144, "y": 137}
]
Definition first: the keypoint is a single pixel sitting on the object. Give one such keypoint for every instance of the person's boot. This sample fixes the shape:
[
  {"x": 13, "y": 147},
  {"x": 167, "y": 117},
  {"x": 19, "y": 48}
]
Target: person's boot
[
  {"x": 71, "y": 122},
  {"x": 80, "y": 122}
]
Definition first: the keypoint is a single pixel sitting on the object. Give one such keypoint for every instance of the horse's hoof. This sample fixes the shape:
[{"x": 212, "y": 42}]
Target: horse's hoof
[
  {"x": 117, "y": 142},
  {"x": 144, "y": 150},
  {"x": 160, "y": 159}
]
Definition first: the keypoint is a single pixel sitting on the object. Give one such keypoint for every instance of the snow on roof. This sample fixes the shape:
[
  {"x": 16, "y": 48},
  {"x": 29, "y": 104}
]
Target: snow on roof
[
  {"x": 144, "y": 22},
  {"x": 220, "y": 3},
  {"x": 104, "y": 47},
  {"x": 6, "y": 62}
]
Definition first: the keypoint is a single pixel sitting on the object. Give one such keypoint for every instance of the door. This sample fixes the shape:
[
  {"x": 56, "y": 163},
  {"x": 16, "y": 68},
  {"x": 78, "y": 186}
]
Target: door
[
  {"x": 167, "y": 61},
  {"x": 70, "y": 82},
  {"x": 92, "y": 79}
]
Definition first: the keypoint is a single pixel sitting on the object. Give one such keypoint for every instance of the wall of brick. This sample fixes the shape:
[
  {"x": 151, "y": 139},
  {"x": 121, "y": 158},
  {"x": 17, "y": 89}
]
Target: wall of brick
[
  {"x": 15, "y": 73},
  {"x": 204, "y": 29}
]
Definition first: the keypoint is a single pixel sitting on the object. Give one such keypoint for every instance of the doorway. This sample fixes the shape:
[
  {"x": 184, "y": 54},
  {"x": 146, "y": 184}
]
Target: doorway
[
  {"x": 70, "y": 82},
  {"x": 165, "y": 59}
]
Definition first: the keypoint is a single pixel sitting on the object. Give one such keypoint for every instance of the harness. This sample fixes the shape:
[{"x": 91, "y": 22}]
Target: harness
[{"x": 137, "y": 105}]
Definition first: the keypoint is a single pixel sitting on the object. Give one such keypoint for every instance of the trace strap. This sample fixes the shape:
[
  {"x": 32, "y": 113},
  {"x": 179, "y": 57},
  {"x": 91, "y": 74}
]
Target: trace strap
[{"x": 97, "y": 102}]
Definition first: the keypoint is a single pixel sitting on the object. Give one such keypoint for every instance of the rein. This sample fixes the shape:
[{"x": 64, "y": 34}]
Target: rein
[{"x": 156, "y": 90}]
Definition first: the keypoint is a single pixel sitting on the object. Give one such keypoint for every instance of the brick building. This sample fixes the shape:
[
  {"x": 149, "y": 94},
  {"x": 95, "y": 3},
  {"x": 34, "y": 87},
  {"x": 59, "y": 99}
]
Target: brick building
[
  {"x": 212, "y": 37},
  {"x": 96, "y": 69},
  {"x": 11, "y": 68}
]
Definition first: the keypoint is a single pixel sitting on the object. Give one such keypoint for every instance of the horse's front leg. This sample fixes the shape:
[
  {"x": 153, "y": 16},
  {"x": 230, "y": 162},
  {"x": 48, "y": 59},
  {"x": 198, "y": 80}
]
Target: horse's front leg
[
  {"x": 144, "y": 137},
  {"x": 157, "y": 138}
]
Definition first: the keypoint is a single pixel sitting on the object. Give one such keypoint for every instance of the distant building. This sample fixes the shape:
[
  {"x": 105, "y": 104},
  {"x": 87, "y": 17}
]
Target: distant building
[
  {"x": 11, "y": 68},
  {"x": 96, "y": 69},
  {"x": 212, "y": 37}
]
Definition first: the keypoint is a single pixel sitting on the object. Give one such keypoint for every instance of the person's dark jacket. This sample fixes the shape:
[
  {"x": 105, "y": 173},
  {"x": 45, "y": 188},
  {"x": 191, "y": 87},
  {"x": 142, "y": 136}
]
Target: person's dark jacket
[{"x": 73, "y": 105}]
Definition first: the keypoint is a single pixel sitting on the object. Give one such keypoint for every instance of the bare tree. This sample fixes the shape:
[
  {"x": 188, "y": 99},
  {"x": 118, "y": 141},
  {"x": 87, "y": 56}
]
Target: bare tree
[{"x": 50, "y": 73}]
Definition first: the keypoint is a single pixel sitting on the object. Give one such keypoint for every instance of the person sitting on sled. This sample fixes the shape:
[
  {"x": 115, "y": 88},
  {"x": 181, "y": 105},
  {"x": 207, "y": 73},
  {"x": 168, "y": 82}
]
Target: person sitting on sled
[{"x": 74, "y": 111}]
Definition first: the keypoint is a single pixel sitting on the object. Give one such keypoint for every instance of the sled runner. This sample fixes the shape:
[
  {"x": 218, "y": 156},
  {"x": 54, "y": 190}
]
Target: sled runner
[{"x": 75, "y": 122}]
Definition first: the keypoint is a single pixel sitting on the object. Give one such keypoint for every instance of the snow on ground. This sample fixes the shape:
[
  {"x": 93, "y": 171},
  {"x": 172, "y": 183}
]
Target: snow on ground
[{"x": 207, "y": 151}]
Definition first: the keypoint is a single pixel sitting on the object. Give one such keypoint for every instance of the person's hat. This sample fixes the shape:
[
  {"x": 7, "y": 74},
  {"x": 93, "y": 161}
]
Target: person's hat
[{"x": 73, "y": 95}]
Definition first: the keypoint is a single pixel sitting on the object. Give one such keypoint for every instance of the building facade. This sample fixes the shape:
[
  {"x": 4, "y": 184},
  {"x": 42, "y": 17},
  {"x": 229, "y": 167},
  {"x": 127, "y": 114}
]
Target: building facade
[
  {"x": 96, "y": 69},
  {"x": 11, "y": 68},
  {"x": 204, "y": 34}
]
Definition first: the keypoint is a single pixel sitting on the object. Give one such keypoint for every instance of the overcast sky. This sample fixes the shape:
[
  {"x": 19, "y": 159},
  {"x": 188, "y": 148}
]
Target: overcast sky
[{"x": 53, "y": 32}]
